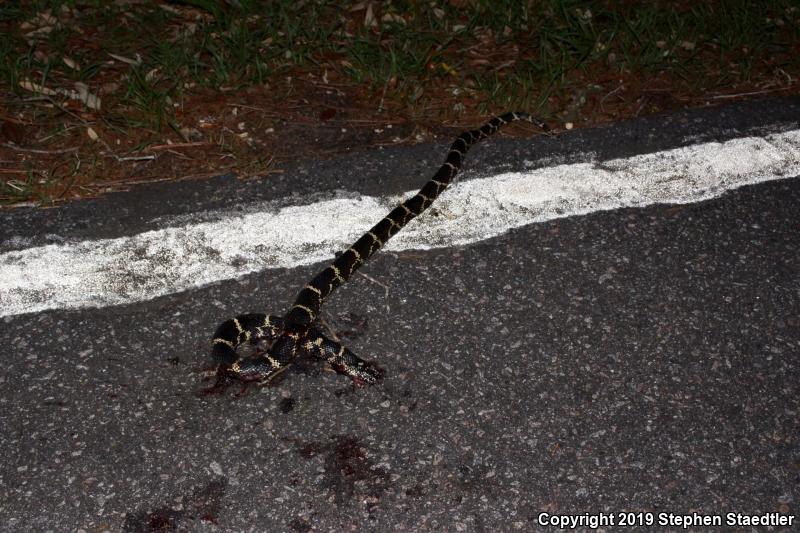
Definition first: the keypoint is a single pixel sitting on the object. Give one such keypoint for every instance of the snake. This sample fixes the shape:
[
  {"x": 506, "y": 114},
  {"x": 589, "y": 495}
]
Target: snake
[{"x": 294, "y": 334}]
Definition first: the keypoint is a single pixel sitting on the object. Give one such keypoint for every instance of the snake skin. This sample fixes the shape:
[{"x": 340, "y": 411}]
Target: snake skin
[{"x": 294, "y": 333}]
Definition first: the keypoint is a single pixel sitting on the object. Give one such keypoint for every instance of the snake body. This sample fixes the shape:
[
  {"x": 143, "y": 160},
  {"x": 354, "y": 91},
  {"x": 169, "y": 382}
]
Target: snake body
[{"x": 294, "y": 333}]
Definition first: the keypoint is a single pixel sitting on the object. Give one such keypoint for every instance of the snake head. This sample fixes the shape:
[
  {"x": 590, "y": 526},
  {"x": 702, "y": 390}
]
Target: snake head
[{"x": 222, "y": 380}]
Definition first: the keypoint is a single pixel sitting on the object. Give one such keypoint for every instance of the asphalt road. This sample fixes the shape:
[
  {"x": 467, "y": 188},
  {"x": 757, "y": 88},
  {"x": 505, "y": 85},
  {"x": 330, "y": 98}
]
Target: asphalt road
[{"x": 637, "y": 360}]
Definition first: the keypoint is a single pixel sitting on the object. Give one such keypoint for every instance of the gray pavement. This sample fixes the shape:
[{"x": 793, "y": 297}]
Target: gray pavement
[{"x": 638, "y": 360}]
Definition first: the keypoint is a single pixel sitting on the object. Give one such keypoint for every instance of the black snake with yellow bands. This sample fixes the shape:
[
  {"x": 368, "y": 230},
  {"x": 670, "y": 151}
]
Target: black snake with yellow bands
[{"x": 293, "y": 334}]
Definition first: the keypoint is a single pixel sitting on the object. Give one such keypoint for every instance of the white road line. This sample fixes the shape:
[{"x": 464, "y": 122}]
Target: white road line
[{"x": 147, "y": 265}]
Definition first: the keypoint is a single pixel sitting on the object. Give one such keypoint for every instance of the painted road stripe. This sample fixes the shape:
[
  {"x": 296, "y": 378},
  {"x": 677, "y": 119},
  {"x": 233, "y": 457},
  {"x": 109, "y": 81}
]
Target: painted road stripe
[{"x": 154, "y": 263}]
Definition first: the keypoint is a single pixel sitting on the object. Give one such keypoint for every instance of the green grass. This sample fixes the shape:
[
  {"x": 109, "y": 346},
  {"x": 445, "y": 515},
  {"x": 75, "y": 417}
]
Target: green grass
[
  {"x": 419, "y": 43},
  {"x": 17, "y": 188},
  {"x": 424, "y": 59}
]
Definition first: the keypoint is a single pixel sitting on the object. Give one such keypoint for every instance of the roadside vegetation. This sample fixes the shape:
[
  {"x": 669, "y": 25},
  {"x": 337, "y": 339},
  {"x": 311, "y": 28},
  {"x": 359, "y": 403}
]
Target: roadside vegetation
[{"x": 96, "y": 96}]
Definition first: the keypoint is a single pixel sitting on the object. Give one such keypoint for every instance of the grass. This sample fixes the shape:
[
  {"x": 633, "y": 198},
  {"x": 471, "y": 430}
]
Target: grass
[{"x": 581, "y": 62}]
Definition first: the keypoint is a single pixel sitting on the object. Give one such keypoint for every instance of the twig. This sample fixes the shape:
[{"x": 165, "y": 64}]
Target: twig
[
  {"x": 39, "y": 151},
  {"x": 65, "y": 110},
  {"x": 69, "y": 186},
  {"x": 134, "y": 158},
  {"x": 124, "y": 182},
  {"x": 12, "y": 171},
  {"x": 385, "y": 289},
  {"x": 602, "y": 100},
  {"x": 254, "y": 108},
  {"x": 176, "y": 145},
  {"x": 720, "y": 96},
  {"x": 66, "y": 129},
  {"x": 178, "y": 154},
  {"x": 128, "y": 158},
  {"x": 18, "y": 205},
  {"x": 100, "y": 139},
  {"x": 383, "y": 95}
]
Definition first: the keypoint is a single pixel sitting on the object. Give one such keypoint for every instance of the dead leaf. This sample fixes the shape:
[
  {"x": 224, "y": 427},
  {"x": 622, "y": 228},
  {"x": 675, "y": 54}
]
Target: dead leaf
[
  {"x": 127, "y": 60},
  {"x": 92, "y": 101},
  {"x": 169, "y": 9},
  {"x": 28, "y": 85},
  {"x": 392, "y": 17},
  {"x": 46, "y": 17},
  {"x": 369, "y": 18},
  {"x": 447, "y": 68},
  {"x": 192, "y": 134},
  {"x": 71, "y": 63}
]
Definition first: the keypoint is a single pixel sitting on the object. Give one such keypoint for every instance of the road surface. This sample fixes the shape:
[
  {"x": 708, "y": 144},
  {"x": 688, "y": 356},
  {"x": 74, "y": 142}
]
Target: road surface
[{"x": 593, "y": 328}]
